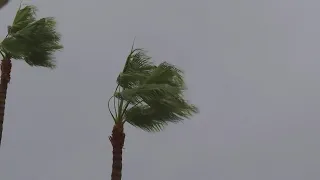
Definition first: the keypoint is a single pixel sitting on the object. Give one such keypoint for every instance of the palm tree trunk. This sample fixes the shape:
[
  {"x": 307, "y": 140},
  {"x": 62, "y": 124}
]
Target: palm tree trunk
[
  {"x": 5, "y": 79},
  {"x": 117, "y": 141}
]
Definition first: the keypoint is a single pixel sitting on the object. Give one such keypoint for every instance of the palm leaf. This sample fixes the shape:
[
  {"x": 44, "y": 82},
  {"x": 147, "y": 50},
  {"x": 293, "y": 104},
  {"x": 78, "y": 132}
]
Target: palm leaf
[
  {"x": 155, "y": 113},
  {"x": 23, "y": 18},
  {"x": 148, "y": 119},
  {"x": 137, "y": 68},
  {"x": 131, "y": 79},
  {"x": 154, "y": 94},
  {"x": 166, "y": 73},
  {"x": 147, "y": 92},
  {"x": 137, "y": 60},
  {"x": 153, "y": 119},
  {"x": 164, "y": 81}
]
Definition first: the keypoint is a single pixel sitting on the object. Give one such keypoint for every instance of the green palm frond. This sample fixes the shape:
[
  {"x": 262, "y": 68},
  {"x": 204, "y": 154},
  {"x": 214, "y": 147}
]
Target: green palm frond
[
  {"x": 159, "y": 110},
  {"x": 131, "y": 79},
  {"x": 35, "y": 43},
  {"x": 145, "y": 72},
  {"x": 138, "y": 67},
  {"x": 153, "y": 95},
  {"x": 148, "y": 119},
  {"x": 137, "y": 60},
  {"x": 23, "y": 18},
  {"x": 163, "y": 81},
  {"x": 153, "y": 119},
  {"x": 166, "y": 73},
  {"x": 147, "y": 92}
]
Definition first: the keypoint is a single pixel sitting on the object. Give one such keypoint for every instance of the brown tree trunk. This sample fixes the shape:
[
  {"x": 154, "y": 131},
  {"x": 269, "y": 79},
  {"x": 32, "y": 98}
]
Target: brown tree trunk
[
  {"x": 5, "y": 79},
  {"x": 117, "y": 141}
]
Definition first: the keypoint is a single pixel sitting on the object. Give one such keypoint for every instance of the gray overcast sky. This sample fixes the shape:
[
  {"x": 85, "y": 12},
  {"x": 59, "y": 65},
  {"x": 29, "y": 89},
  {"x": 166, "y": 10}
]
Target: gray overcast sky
[{"x": 252, "y": 67}]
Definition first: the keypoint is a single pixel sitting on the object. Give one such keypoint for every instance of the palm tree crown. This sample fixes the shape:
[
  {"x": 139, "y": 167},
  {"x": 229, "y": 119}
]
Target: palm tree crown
[
  {"x": 149, "y": 96},
  {"x": 31, "y": 40},
  {"x": 28, "y": 39}
]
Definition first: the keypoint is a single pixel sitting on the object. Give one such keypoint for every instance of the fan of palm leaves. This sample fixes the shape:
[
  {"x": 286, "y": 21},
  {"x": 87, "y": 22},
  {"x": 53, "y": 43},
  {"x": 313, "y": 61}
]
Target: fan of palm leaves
[
  {"x": 32, "y": 40},
  {"x": 149, "y": 96}
]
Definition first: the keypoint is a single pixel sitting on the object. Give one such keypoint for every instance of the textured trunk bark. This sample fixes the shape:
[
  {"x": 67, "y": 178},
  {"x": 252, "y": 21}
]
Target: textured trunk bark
[
  {"x": 117, "y": 141},
  {"x": 5, "y": 79}
]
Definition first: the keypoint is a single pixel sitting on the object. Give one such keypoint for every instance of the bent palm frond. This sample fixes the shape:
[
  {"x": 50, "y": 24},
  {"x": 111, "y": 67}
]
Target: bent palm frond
[
  {"x": 138, "y": 67},
  {"x": 23, "y": 18},
  {"x": 156, "y": 116}
]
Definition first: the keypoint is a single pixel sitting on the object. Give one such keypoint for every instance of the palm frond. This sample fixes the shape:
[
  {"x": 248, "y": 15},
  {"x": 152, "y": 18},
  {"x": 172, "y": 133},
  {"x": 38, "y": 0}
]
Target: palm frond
[
  {"x": 137, "y": 60},
  {"x": 146, "y": 118},
  {"x": 35, "y": 43},
  {"x": 166, "y": 73},
  {"x": 137, "y": 68},
  {"x": 131, "y": 79},
  {"x": 174, "y": 104},
  {"x": 23, "y": 18},
  {"x": 153, "y": 119},
  {"x": 163, "y": 81},
  {"x": 148, "y": 92}
]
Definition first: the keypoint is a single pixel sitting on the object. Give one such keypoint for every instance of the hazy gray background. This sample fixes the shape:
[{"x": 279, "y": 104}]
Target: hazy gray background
[{"x": 252, "y": 66}]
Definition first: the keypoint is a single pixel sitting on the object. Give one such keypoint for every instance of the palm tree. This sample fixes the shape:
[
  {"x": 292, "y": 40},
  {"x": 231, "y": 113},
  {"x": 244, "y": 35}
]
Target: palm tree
[
  {"x": 28, "y": 39},
  {"x": 148, "y": 97},
  {"x": 3, "y": 3}
]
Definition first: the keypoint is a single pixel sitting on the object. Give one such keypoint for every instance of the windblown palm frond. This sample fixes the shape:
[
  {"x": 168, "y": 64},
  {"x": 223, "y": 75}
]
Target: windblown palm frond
[
  {"x": 149, "y": 119},
  {"x": 23, "y": 18},
  {"x": 32, "y": 41},
  {"x": 148, "y": 92},
  {"x": 154, "y": 93},
  {"x": 155, "y": 116},
  {"x": 138, "y": 67}
]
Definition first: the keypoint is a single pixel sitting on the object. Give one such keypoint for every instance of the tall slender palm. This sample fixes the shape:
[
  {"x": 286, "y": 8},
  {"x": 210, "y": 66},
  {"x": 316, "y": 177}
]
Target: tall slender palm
[
  {"x": 148, "y": 97},
  {"x": 28, "y": 39}
]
